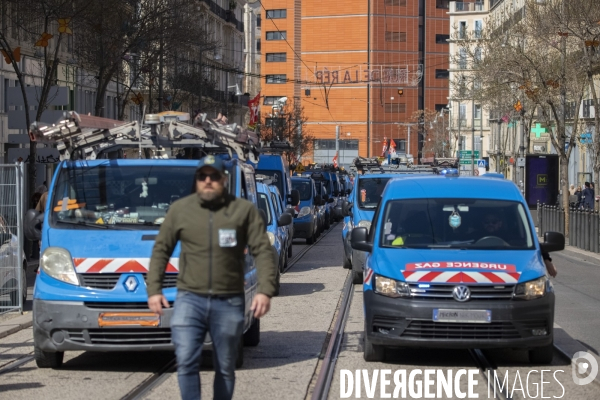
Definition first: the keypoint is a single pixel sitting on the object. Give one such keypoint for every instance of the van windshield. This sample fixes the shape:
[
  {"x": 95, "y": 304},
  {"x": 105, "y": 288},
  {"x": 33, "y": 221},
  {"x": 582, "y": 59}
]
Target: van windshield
[
  {"x": 478, "y": 224},
  {"x": 263, "y": 204},
  {"x": 369, "y": 191},
  {"x": 123, "y": 195},
  {"x": 304, "y": 188},
  {"x": 276, "y": 177}
]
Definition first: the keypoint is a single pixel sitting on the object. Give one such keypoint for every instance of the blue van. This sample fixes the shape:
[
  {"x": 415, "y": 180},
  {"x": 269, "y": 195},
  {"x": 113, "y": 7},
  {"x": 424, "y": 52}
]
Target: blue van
[
  {"x": 306, "y": 222},
  {"x": 276, "y": 223},
  {"x": 280, "y": 206},
  {"x": 102, "y": 217},
  {"x": 276, "y": 167},
  {"x": 454, "y": 262}
]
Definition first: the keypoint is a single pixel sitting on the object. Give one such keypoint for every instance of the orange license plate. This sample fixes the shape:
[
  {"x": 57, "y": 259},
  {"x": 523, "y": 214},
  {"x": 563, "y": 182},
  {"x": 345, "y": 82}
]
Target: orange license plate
[{"x": 128, "y": 319}]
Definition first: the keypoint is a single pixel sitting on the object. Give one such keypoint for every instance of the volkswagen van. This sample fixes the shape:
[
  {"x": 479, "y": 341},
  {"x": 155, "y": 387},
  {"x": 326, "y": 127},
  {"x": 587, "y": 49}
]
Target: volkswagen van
[{"x": 454, "y": 262}]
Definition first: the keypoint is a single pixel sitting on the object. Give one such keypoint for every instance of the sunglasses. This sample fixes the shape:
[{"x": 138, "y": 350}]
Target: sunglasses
[{"x": 215, "y": 176}]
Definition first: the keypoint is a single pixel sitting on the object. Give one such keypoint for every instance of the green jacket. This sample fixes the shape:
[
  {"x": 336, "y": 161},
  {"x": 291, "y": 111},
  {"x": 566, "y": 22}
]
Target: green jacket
[{"x": 213, "y": 240}]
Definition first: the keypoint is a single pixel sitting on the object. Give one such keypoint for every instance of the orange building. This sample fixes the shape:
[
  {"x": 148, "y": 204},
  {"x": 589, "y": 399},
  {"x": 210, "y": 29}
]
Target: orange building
[{"x": 365, "y": 67}]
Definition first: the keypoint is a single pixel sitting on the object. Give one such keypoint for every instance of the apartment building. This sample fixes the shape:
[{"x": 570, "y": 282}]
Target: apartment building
[
  {"x": 470, "y": 123},
  {"x": 363, "y": 69}
]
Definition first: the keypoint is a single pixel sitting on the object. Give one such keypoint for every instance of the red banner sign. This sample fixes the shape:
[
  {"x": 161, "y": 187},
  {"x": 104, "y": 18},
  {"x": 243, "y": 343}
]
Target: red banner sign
[{"x": 461, "y": 265}]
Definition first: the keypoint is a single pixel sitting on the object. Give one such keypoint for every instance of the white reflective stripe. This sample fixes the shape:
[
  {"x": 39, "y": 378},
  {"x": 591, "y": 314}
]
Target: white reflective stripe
[
  {"x": 114, "y": 265},
  {"x": 415, "y": 276},
  {"x": 86, "y": 264},
  {"x": 173, "y": 261},
  {"x": 445, "y": 276},
  {"x": 507, "y": 278},
  {"x": 478, "y": 277}
]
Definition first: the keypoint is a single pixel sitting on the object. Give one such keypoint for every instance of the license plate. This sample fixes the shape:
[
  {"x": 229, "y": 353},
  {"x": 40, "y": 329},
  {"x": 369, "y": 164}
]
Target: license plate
[
  {"x": 128, "y": 319},
  {"x": 473, "y": 316}
]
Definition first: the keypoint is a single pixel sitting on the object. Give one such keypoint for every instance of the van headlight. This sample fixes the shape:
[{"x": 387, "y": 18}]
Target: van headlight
[
  {"x": 531, "y": 290},
  {"x": 57, "y": 263},
  {"x": 271, "y": 238},
  {"x": 390, "y": 287},
  {"x": 364, "y": 224},
  {"x": 304, "y": 211}
]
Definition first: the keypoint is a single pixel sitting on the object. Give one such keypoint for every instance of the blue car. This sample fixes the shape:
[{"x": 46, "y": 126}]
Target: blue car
[
  {"x": 455, "y": 262},
  {"x": 306, "y": 221},
  {"x": 275, "y": 223},
  {"x": 280, "y": 207}
]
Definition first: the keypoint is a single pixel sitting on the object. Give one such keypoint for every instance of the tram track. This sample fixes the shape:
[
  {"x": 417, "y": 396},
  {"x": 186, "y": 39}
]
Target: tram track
[{"x": 307, "y": 248}]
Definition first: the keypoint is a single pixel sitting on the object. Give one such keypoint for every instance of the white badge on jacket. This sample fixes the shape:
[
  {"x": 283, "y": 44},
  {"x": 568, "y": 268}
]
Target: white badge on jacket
[{"x": 227, "y": 238}]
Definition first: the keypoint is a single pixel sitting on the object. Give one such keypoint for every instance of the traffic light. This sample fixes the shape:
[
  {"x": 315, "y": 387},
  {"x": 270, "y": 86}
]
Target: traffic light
[{"x": 400, "y": 91}]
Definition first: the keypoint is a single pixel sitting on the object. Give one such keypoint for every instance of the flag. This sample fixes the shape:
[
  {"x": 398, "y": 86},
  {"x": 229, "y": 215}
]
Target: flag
[
  {"x": 392, "y": 146},
  {"x": 335, "y": 158},
  {"x": 253, "y": 106},
  {"x": 384, "y": 147}
]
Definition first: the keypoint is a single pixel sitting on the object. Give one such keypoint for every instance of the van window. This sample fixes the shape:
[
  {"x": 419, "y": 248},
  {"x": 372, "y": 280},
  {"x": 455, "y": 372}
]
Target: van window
[
  {"x": 250, "y": 187},
  {"x": 276, "y": 178},
  {"x": 304, "y": 187},
  {"x": 478, "y": 224},
  {"x": 263, "y": 204},
  {"x": 124, "y": 195},
  {"x": 369, "y": 191}
]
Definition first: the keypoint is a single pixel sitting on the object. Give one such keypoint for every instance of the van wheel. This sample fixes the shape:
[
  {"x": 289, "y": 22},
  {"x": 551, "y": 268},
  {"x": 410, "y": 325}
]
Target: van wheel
[
  {"x": 357, "y": 277},
  {"x": 289, "y": 251},
  {"x": 46, "y": 359},
  {"x": 239, "y": 361},
  {"x": 327, "y": 223},
  {"x": 372, "y": 352},
  {"x": 541, "y": 355},
  {"x": 310, "y": 240},
  {"x": 252, "y": 335}
]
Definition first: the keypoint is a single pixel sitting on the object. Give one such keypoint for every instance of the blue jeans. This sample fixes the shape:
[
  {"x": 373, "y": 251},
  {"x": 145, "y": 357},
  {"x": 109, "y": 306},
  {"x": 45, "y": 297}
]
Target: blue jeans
[{"x": 194, "y": 316}]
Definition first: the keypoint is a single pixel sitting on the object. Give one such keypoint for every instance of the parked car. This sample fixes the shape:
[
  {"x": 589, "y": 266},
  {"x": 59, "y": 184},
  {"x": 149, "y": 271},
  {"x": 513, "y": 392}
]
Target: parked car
[
  {"x": 280, "y": 206},
  {"x": 327, "y": 208},
  {"x": 306, "y": 221},
  {"x": 9, "y": 271},
  {"x": 275, "y": 223}
]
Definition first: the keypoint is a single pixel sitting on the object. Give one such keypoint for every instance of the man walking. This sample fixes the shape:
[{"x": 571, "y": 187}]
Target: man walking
[
  {"x": 214, "y": 229},
  {"x": 588, "y": 197}
]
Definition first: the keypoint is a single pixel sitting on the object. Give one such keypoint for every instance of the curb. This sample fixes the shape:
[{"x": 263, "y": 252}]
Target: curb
[
  {"x": 567, "y": 346},
  {"x": 14, "y": 325}
]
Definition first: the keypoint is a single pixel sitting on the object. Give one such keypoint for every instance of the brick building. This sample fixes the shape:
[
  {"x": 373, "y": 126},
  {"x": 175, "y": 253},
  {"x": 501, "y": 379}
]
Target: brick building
[{"x": 346, "y": 62}]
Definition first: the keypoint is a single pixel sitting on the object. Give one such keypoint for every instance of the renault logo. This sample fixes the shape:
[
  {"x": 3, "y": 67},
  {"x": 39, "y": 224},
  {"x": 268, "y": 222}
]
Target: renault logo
[
  {"x": 131, "y": 283},
  {"x": 461, "y": 293}
]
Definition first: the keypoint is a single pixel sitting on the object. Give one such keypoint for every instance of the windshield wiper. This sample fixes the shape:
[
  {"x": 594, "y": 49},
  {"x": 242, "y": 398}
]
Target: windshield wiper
[{"x": 95, "y": 225}]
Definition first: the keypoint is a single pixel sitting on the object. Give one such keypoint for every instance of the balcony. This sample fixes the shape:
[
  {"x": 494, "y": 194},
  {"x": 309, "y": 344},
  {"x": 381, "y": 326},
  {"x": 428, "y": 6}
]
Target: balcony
[
  {"x": 462, "y": 6},
  {"x": 226, "y": 15}
]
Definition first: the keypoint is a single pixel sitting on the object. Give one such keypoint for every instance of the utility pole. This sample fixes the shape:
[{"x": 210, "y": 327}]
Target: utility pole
[
  {"x": 498, "y": 143},
  {"x": 472, "y": 137},
  {"x": 337, "y": 141}
]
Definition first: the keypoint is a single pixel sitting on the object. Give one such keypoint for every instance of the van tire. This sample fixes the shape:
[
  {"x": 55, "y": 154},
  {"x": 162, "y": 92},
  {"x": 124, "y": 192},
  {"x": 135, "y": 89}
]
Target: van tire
[
  {"x": 347, "y": 263},
  {"x": 310, "y": 240},
  {"x": 46, "y": 359},
  {"x": 289, "y": 251},
  {"x": 372, "y": 352},
  {"x": 541, "y": 355},
  {"x": 252, "y": 335},
  {"x": 327, "y": 224},
  {"x": 357, "y": 277}
]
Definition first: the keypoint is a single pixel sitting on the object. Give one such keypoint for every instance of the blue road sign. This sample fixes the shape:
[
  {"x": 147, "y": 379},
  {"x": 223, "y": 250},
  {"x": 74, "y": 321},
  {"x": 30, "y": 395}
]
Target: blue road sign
[{"x": 480, "y": 163}]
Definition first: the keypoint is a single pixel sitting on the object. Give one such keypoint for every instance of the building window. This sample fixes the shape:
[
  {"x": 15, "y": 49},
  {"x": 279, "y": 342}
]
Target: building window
[
  {"x": 258, "y": 45},
  {"x": 477, "y": 111},
  {"x": 329, "y": 144},
  {"x": 587, "y": 104},
  {"x": 462, "y": 59},
  {"x": 400, "y": 146},
  {"x": 462, "y": 114},
  {"x": 442, "y": 39},
  {"x": 281, "y": 78},
  {"x": 478, "y": 29},
  {"x": 401, "y": 3},
  {"x": 258, "y": 20},
  {"x": 445, "y": 4},
  {"x": 477, "y": 56},
  {"x": 276, "y": 14},
  {"x": 395, "y": 36},
  {"x": 462, "y": 29},
  {"x": 270, "y": 100},
  {"x": 276, "y": 57},
  {"x": 442, "y": 74},
  {"x": 440, "y": 107},
  {"x": 395, "y": 107},
  {"x": 277, "y": 35}
]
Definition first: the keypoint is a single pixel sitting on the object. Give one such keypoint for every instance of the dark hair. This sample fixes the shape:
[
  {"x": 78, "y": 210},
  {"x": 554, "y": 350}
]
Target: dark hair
[{"x": 587, "y": 184}]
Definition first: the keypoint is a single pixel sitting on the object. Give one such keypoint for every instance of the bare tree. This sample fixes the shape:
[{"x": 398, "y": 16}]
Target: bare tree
[{"x": 289, "y": 125}]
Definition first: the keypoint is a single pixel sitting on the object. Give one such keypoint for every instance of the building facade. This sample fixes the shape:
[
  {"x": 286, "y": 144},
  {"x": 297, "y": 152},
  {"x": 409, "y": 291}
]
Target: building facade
[{"x": 362, "y": 69}]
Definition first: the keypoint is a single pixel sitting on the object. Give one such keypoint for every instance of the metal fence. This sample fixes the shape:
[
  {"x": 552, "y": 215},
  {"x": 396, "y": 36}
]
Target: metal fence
[
  {"x": 584, "y": 225},
  {"x": 13, "y": 283}
]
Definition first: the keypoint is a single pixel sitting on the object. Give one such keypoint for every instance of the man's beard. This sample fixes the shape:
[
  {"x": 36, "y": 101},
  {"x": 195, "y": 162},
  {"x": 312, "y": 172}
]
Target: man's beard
[{"x": 210, "y": 195}]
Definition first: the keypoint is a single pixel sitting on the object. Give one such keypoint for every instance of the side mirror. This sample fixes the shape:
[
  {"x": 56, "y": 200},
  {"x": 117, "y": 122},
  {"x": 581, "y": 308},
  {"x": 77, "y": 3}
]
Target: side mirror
[
  {"x": 346, "y": 208},
  {"x": 284, "y": 219},
  {"x": 318, "y": 200},
  {"x": 33, "y": 225},
  {"x": 330, "y": 200},
  {"x": 553, "y": 241},
  {"x": 294, "y": 198},
  {"x": 358, "y": 240},
  {"x": 263, "y": 215}
]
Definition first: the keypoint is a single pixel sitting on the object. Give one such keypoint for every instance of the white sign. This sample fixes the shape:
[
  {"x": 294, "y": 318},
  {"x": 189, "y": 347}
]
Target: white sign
[
  {"x": 520, "y": 161},
  {"x": 465, "y": 173}
]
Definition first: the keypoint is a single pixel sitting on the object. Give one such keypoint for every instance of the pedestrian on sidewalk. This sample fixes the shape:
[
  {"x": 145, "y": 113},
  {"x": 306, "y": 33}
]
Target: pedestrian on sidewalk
[
  {"x": 213, "y": 228},
  {"x": 588, "y": 197}
]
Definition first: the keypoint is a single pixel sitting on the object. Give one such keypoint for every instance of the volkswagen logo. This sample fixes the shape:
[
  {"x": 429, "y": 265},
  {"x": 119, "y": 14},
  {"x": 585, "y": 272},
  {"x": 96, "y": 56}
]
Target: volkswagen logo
[
  {"x": 131, "y": 283},
  {"x": 461, "y": 293}
]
